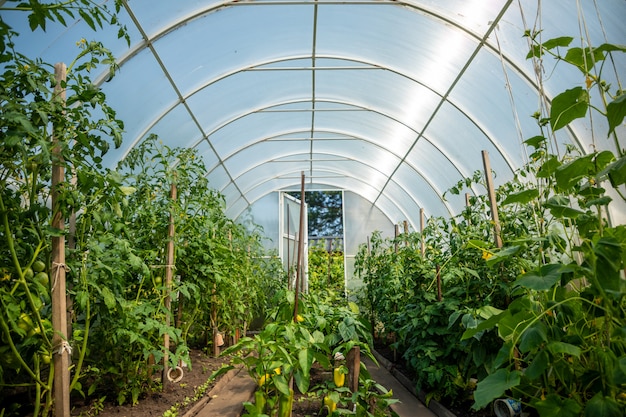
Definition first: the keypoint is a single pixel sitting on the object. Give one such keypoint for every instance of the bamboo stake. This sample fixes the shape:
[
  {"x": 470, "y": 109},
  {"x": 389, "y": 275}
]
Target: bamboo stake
[
  {"x": 300, "y": 249},
  {"x": 169, "y": 270},
  {"x": 492, "y": 199}
]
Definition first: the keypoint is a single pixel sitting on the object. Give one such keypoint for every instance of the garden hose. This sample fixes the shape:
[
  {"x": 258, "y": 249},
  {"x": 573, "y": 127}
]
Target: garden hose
[{"x": 175, "y": 374}]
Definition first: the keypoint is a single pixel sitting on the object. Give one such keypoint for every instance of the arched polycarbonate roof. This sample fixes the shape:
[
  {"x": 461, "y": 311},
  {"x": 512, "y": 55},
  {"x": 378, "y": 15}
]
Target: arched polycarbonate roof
[{"x": 393, "y": 100}]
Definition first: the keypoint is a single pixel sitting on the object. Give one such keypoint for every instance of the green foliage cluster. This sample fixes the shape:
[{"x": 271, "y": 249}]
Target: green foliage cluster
[
  {"x": 326, "y": 269},
  {"x": 542, "y": 319},
  {"x": 286, "y": 350},
  {"x": 115, "y": 262}
]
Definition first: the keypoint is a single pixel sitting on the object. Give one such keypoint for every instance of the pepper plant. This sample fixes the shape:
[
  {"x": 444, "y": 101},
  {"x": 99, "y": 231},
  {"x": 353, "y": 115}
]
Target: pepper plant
[{"x": 286, "y": 350}]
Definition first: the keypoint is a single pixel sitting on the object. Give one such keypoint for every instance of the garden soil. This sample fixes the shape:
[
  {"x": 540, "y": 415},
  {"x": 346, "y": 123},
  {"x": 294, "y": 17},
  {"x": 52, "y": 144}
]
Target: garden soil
[{"x": 155, "y": 404}]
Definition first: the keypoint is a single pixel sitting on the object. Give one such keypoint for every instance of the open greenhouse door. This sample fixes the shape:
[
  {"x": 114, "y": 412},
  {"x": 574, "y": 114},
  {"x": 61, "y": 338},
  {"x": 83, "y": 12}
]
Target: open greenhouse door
[{"x": 289, "y": 209}]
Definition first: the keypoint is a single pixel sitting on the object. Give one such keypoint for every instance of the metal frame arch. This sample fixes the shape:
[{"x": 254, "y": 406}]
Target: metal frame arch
[
  {"x": 413, "y": 197},
  {"x": 294, "y": 178}
]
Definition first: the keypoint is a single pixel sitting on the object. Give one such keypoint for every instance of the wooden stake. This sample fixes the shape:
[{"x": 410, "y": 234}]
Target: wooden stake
[
  {"x": 300, "y": 249},
  {"x": 395, "y": 305},
  {"x": 330, "y": 259},
  {"x": 61, "y": 354},
  {"x": 396, "y": 233},
  {"x": 406, "y": 232},
  {"x": 353, "y": 362},
  {"x": 169, "y": 271},
  {"x": 422, "y": 225},
  {"x": 439, "y": 295},
  {"x": 288, "y": 251},
  {"x": 492, "y": 199}
]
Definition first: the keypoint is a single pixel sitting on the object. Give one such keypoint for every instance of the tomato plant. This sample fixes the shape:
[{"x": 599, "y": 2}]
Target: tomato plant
[{"x": 117, "y": 245}]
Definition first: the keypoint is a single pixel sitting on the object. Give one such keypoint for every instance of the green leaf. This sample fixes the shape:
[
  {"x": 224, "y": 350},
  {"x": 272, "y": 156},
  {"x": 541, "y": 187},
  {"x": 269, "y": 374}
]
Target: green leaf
[
  {"x": 522, "y": 197},
  {"x": 610, "y": 47},
  {"x": 87, "y": 18},
  {"x": 281, "y": 384},
  {"x": 535, "y": 141},
  {"x": 484, "y": 325},
  {"x": 584, "y": 59},
  {"x": 514, "y": 324},
  {"x": 559, "y": 207},
  {"x": 616, "y": 172},
  {"x": 603, "y": 159},
  {"x": 557, "y": 406},
  {"x": 564, "y": 348},
  {"x": 601, "y": 406},
  {"x": 568, "y": 106},
  {"x": 494, "y": 386},
  {"x": 538, "y": 366},
  {"x": 533, "y": 337},
  {"x": 567, "y": 175},
  {"x": 610, "y": 249},
  {"x": 541, "y": 279},
  {"x": 548, "y": 167},
  {"x": 108, "y": 297},
  {"x": 503, "y": 255},
  {"x": 536, "y": 50},
  {"x": 555, "y": 42},
  {"x": 305, "y": 360}
]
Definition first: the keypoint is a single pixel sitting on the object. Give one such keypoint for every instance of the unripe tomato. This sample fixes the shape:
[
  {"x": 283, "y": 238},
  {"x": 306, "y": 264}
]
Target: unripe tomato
[
  {"x": 42, "y": 278},
  {"x": 39, "y": 266},
  {"x": 46, "y": 358},
  {"x": 28, "y": 274}
]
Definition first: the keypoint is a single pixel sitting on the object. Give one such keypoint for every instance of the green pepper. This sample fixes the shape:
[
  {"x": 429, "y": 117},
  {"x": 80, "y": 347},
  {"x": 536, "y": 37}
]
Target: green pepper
[
  {"x": 285, "y": 403},
  {"x": 259, "y": 401}
]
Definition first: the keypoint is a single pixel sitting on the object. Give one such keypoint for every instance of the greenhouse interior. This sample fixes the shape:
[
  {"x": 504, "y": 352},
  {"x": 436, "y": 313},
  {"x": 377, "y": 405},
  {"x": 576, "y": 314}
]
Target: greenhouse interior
[{"x": 299, "y": 189}]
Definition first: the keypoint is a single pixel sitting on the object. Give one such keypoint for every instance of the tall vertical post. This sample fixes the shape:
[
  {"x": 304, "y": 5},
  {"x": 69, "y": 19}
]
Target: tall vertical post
[
  {"x": 330, "y": 260},
  {"x": 169, "y": 272},
  {"x": 406, "y": 232},
  {"x": 396, "y": 233},
  {"x": 492, "y": 199},
  {"x": 422, "y": 243},
  {"x": 300, "y": 266},
  {"x": 288, "y": 249},
  {"x": 61, "y": 356}
]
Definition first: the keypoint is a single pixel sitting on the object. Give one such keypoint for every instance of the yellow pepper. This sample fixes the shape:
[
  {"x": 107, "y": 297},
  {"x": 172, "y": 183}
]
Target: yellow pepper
[
  {"x": 263, "y": 379},
  {"x": 328, "y": 402},
  {"x": 339, "y": 377}
]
